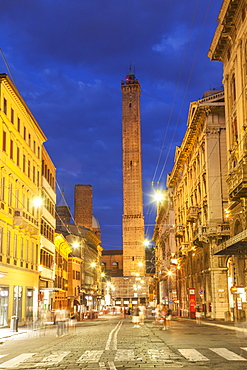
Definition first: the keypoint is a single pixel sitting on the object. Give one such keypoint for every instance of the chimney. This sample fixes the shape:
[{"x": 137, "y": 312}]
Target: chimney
[{"x": 83, "y": 205}]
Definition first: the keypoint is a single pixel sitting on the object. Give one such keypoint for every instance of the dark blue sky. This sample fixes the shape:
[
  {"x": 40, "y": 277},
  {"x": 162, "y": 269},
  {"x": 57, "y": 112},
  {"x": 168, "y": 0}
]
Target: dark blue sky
[{"x": 68, "y": 57}]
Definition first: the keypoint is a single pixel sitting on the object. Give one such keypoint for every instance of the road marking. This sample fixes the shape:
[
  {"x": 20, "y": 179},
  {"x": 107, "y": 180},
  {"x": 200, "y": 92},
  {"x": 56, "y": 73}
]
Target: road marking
[
  {"x": 116, "y": 329},
  {"x": 158, "y": 355},
  {"x": 114, "y": 344},
  {"x": 111, "y": 365},
  {"x": 53, "y": 359},
  {"x": 228, "y": 355},
  {"x": 90, "y": 356},
  {"x": 16, "y": 360},
  {"x": 124, "y": 355},
  {"x": 192, "y": 355}
]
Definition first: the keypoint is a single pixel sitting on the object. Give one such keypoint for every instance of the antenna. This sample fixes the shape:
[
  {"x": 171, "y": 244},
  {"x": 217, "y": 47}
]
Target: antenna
[{"x": 7, "y": 66}]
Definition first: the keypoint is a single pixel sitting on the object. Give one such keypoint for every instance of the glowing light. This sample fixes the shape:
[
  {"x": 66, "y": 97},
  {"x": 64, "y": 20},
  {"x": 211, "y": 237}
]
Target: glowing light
[
  {"x": 75, "y": 245},
  {"x": 102, "y": 274},
  {"x": 93, "y": 264},
  {"x": 37, "y": 202},
  {"x": 169, "y": 273},
  {"x": 140, "y": 264},
  {"x": 146, "y": 243},
  {"x": 158, "y": 196}
]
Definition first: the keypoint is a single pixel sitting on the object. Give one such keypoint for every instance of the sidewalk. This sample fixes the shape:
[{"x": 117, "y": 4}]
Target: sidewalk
[
  {"x": 6, "y": 333},
  {"x": 231, "y": 325}
]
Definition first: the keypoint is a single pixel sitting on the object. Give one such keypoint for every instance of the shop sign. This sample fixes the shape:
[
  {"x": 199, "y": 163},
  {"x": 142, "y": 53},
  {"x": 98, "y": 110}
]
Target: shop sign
[{"x": 192, "y": 300}]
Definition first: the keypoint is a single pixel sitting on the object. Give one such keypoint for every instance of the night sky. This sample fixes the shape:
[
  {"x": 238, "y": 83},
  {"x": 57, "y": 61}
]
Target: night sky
[{"x": 68, "y": 57}]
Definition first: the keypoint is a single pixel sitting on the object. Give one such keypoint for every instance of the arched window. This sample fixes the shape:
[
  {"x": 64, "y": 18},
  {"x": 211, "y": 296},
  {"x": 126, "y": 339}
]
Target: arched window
[{"x": 114, "y": 265}]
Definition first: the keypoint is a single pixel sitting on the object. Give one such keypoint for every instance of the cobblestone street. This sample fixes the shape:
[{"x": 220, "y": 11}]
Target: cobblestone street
[{"x": 114, "y": 343}]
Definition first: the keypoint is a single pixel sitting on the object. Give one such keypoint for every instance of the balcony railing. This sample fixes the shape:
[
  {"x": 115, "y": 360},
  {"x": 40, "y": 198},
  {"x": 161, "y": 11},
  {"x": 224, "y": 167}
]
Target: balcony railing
[
  {"x": 179, "y": 231},
  {"x": 25, "y": 220},
  {"x": 192, "y": 214},
  {"x": 237, "y": 181}
]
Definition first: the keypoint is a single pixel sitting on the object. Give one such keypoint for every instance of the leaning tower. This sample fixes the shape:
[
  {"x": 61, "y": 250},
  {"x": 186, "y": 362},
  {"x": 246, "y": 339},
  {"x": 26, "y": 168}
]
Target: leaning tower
[{"x": 133, "y": 220}]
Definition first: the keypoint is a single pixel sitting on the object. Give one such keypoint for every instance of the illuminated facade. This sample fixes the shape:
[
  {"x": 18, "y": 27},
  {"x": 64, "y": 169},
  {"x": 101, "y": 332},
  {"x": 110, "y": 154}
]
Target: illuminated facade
[
  {"x": 198, "y": 180},
  {"x": 229, "y": 45},
  {"x": 133, "y": 220},
  {"x": 21, "y": 141},
  {"x": 47, "y": 229}
]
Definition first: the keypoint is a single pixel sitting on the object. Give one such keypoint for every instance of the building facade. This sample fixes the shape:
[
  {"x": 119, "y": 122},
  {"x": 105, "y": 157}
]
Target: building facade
[
  {"x": 198, "y": 180},
  {"x": 21, "y": 141},
  {"x": 165, "y": 252},
  {"x": 47, "y": 231},
  {"x": 229, "y": 45}
]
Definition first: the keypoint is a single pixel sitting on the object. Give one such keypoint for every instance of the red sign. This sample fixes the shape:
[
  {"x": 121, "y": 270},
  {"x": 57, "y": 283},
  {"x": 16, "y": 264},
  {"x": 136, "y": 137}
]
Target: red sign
[{"x": 192, "y": 303}]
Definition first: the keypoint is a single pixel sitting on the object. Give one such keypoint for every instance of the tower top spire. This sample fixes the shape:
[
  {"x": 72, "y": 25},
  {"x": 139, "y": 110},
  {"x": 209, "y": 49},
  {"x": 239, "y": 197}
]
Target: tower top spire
[{"x": 130, "y": 76}]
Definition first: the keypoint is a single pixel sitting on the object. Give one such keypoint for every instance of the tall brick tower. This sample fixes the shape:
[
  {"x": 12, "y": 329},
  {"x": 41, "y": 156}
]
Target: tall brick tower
[{"x": 133, "y": 220}]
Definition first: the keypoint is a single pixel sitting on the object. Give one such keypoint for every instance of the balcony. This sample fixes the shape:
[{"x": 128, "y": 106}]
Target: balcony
[
  {"x": 184, "y": 249},
  {"x": 26, "y": 221},
  {"x": 192, "y": 214},
  {"x": 237, "y": 182},
  {"x": 179, "y": 231}
]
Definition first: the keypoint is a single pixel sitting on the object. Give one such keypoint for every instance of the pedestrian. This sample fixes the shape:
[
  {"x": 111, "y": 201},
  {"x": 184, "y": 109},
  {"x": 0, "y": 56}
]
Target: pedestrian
[
  {"x": 163, "y": 313},
  {"x": 198, "y": 316},
  {"x": 142, "y": 313},
  {"x": 136, "y": 317},
  {"x": 168, "y": 318}
]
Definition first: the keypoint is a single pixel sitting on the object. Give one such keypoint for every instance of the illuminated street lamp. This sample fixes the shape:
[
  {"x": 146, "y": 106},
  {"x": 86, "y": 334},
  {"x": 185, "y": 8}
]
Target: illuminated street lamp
[
  {"x": 37, "y": 202},
  {"x": 158, "y": 196}
]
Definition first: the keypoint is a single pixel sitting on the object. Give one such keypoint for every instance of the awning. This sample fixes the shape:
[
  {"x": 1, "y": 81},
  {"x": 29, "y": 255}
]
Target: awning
[{"x": 235, "y": 245}]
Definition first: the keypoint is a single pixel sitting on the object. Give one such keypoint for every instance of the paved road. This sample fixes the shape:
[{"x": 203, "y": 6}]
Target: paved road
[{"x": 114, "y": 344}]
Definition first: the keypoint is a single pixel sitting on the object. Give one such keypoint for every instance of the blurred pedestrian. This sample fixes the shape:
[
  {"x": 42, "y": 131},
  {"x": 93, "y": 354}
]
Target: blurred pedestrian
[
  {"x": 163, "y": 313},
  {"x": 136, "y": 317},
  {"x": 198, "y": 316},
  {"x": 142, "y": 313},
  {"x": 168, "y": 318}
]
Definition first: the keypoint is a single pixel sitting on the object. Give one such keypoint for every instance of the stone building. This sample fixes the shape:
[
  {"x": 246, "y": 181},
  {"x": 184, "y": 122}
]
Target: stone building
[
  {"x": 21, "y": 140},
  {"x": 86, "y": 248},
  {"x": 229, "y": 45},
  {"x": 133, "y": 220},
  {"x": 198, "y": 180},
  {"x": 165, "y": 252},
  {"x": 47, "y": 231}
]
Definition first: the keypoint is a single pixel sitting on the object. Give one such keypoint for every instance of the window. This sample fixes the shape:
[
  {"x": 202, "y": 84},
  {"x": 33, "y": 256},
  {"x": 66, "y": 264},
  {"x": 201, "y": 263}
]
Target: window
[
  {"x": 11, "y": 149},
  {"x": 16, "y": 198},
  {"x": 32, "y": 253},
  {"x": 34, "y": 174},
  {"x": 10, "y": 195},
  {"x": 28, "y": 169},
  {"x": 24, "y": 133},
  {"x": 1, "y": 239},
  {"x": 18, "y": 156},
  {"x": 34, "y": 147},
  {"x": 18, "y": 124},
  {"x": 29, "y": 140},
  {"x": 4, "y": 105},
  {"x": 3, "y": 188},
  {"x": 12, "y": 116},
  {"x": 8, "y": 243},
  {"x": 27, "y": 250},
  {"x": 4, "y": 146},
  {"x": 24, "y": 163},
  {"x": 38, "y": 152},
  {"x": 15, "y": 245},
  {"x": 22, "y": 248}
]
